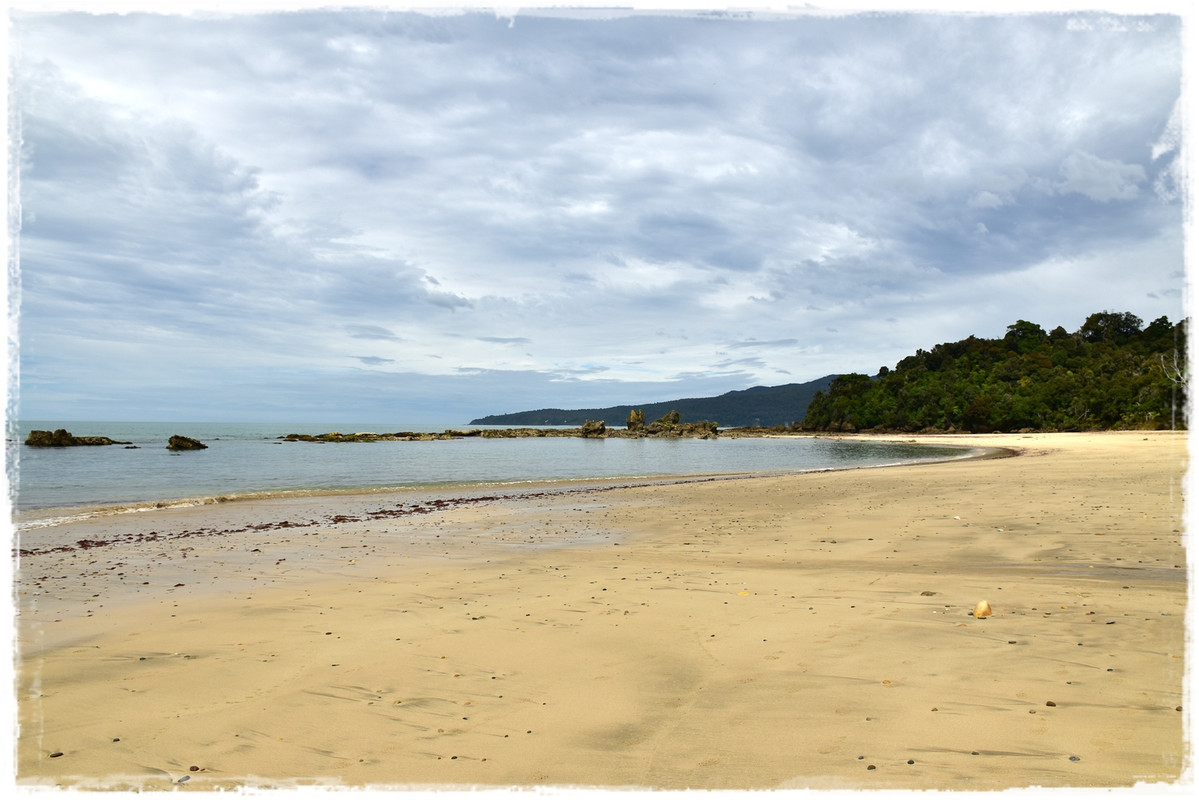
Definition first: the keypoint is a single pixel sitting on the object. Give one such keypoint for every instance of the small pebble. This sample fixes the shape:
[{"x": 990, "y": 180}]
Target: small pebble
[
  {"x": 55, "y": 755},
  {"x": 910, "y": 761},
  {"x": 871, "y": 766},
  {"x": 1075, "y": 758},
  {"x": 1051, "y": 704}
]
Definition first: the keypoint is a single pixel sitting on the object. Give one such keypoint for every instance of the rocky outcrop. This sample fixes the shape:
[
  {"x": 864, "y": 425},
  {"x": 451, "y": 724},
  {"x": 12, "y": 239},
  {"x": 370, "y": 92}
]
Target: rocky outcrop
[
  {"x": 185, "y": 443},
  {"x": 63, "y": 438},
  {"x": 592, "y": 429},
  {"x": 680, "y": 430}
]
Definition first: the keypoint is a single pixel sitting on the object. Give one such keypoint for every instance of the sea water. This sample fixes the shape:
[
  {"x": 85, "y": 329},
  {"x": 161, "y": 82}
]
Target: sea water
[{"x": 253, "y": 459}]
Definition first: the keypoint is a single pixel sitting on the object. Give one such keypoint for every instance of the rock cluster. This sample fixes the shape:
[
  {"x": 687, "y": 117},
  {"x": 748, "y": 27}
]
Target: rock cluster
[
  {"x": 591, "y": 429},
  {"x": 63, "y": 438}
]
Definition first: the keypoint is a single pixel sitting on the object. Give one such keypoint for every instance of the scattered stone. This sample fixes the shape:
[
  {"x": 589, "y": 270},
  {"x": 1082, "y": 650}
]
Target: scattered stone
[
  {"x": 185, "y": 443},
  {"x": 1051, "y": 704}
]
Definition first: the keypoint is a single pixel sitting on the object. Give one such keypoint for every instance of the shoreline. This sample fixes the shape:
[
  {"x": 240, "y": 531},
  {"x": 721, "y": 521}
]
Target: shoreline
[
  {"x": 807, "y": 630},
  {"x": 24, "y": 519}
]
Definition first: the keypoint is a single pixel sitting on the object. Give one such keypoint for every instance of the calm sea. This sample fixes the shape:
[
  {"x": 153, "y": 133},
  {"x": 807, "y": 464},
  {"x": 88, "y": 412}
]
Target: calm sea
[{"x": 250, "y": 458}]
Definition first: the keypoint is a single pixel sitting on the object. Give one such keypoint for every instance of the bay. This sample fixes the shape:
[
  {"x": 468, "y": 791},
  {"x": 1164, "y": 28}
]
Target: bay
[{"x": 252, "y": 459}]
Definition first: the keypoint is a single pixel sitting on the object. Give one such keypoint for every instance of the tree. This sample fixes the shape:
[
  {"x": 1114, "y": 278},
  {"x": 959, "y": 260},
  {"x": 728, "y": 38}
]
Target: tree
[
  {"x": 1024, "y": 336},
  {"x": 1110, "y": 326},
  {"x": 1174, "y": 368}
]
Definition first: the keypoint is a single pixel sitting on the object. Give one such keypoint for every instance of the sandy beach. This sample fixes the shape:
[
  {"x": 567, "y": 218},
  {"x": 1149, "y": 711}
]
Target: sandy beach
[{"x": 802, "y": 631}]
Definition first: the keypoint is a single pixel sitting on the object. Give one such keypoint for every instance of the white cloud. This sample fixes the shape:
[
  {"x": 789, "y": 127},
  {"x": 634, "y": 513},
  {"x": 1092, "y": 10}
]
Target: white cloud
[
  {"x": 985, "y": 199},
  {"x": 1100, "y": 179}
]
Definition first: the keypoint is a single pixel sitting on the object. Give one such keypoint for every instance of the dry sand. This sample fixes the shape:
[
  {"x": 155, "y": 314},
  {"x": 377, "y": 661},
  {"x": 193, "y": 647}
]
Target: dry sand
[{"x": 806, "y": 631}]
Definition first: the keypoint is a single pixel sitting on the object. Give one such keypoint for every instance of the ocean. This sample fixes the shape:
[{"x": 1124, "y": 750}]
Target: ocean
[{"x": 252, "y": 459}]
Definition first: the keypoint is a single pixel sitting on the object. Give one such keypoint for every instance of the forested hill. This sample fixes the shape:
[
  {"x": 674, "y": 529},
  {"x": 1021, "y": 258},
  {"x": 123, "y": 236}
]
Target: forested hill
[
  {"x": 761, "y": 405},
  {"x": 1110, "y": 373}
]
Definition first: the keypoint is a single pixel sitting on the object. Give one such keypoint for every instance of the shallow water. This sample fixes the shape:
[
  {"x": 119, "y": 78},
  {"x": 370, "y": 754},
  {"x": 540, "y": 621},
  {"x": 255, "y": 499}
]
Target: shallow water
[{"x": 249, "y": 458}]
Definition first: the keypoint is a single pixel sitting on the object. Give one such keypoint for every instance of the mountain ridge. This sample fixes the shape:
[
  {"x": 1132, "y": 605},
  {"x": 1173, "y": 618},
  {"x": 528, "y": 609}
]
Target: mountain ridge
[{"x": 764, "y": 406}]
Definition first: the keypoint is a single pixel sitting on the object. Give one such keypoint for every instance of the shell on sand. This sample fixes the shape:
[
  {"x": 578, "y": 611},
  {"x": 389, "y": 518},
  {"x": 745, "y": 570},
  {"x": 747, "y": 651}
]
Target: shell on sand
[{"x": 983, "y": 609}]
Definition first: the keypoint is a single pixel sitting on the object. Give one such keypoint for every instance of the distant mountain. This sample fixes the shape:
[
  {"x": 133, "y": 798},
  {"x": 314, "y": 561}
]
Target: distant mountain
[{"x": 761, "y": 405}]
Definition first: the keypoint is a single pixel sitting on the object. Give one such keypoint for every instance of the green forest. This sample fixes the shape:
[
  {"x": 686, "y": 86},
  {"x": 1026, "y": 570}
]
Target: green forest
[{"x": 1112, "y": 373}]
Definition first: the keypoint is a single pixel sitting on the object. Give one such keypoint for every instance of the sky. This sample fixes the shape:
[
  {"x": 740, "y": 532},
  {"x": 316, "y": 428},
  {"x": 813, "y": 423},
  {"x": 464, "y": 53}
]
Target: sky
[{"x": 385, "y": 215}]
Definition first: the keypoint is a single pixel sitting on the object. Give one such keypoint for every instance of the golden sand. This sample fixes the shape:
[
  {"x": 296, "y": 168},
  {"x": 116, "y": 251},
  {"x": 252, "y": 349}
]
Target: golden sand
[{"x": 805, "y": 631}]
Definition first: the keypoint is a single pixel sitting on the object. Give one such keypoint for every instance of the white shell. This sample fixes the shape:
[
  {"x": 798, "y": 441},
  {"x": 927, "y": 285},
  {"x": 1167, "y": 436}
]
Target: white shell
[{"x": 983, "y": 609}]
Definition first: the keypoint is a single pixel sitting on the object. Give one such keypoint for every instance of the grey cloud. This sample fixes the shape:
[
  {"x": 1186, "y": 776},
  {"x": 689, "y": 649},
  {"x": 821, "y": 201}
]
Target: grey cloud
[
  {"x": 245, "y": 184},
  {"x": 372, "y": 332}
]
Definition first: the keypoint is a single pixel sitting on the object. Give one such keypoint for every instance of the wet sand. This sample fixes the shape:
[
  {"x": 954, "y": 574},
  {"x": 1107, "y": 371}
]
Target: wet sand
[{"x": 804, "y": 631}]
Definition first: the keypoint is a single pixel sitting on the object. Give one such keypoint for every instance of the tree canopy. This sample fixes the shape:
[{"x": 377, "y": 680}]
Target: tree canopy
[{"x": 1111, "y": 373}]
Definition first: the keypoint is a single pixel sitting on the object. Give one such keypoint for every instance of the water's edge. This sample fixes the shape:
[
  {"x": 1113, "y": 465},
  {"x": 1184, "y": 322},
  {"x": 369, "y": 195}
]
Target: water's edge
[{"x": 27, "y": 519}]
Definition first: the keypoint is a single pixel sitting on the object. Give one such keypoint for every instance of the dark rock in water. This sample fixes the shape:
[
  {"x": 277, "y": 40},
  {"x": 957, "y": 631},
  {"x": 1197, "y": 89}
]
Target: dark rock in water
[
  {"x": 60, "y": 438},
  {"x": 63, "y": 438},
  {"x": 185, "y": 443},
  {"x": 593, "y": 429}
]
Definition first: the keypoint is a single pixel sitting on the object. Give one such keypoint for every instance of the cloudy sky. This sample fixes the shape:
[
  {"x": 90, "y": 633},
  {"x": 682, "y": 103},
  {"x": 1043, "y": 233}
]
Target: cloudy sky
[{"x": 388, "y": 216}]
